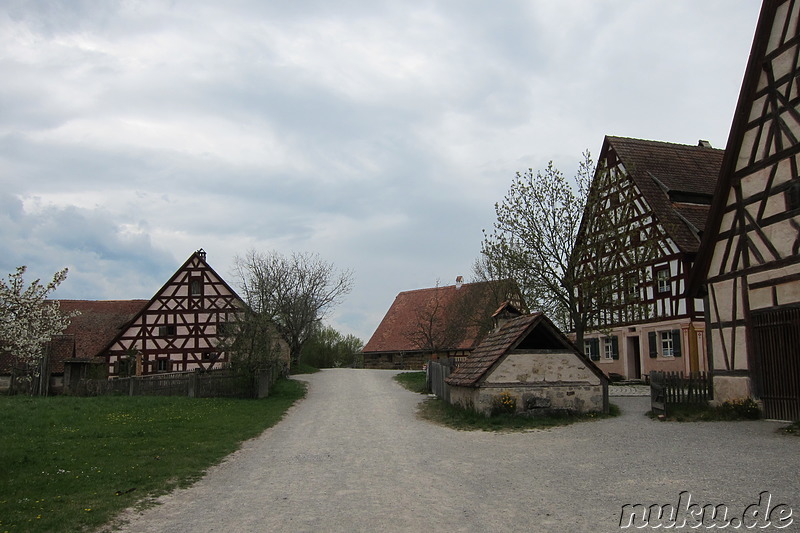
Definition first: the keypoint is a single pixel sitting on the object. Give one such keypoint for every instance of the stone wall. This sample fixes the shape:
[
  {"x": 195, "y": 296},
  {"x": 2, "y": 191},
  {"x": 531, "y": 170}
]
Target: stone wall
[{"x": 541, "y": 381}]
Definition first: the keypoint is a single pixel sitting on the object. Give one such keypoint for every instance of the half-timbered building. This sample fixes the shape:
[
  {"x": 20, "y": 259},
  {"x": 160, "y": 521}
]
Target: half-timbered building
[
  {"x": 639, "y": 237},
  {"x": 180, "y": 328},
  {"x": 750, "y": 260}
]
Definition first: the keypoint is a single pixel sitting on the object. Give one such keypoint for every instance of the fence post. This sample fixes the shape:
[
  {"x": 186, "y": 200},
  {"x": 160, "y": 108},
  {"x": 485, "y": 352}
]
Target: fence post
[
  {"x": 193, "y": 383},
  {"x": 131, "y": 386},
  {"x": 263, "y": 379},
  {"x": 658, "y": 397}
]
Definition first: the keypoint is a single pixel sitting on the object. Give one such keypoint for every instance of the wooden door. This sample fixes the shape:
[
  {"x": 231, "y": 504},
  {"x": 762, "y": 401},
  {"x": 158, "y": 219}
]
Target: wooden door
[{"x": 776, "y": 345}]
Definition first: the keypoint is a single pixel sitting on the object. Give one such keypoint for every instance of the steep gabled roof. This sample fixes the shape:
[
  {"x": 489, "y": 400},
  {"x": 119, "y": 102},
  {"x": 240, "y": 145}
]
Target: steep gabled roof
[
  {"x": 533, "y": 332},
  {"x": 742, "y": 116},
  {"x": 676, "y": 180},
  {"x": 200, "y": 257},
  {"x": 471, "y": 305}
]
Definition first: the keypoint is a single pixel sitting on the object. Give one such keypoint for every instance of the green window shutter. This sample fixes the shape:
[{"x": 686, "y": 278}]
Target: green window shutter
[
  {"x": 594, "y": 349},
  {"x": 676, "y": 342},
  {"x": 615, "y": 347},
  {"x": 653, "y": 344}
]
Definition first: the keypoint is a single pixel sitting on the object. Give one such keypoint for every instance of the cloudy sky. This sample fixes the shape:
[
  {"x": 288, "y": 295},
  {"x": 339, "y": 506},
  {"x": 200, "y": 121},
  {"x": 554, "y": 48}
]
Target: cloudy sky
[{"x": 378, "y": 134}]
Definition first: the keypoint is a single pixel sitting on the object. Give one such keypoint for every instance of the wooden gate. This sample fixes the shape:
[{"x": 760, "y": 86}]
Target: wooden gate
[{"x": 776, "y": 343}]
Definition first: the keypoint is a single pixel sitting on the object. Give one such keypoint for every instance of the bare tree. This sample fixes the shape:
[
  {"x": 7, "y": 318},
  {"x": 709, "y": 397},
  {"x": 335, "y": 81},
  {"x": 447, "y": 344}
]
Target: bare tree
[
  {"x": 452, "y": 315},
  {"x": 291, "y": 293}
]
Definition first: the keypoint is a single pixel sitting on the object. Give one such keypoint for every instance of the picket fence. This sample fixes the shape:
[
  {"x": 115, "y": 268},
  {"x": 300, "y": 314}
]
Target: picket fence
[
  {"x": 675, "y": 388},
  {"x": 221, "y": 383}
]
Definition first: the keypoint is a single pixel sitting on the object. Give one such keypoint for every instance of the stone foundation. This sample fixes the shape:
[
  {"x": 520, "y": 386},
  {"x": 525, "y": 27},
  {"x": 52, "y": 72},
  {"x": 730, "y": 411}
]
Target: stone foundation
[{"x": 727, "y": 388}]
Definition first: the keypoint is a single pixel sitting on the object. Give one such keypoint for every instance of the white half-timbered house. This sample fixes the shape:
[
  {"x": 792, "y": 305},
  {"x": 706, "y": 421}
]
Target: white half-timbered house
[
  {"x": 640, "y": 233},
  {"x": 750, "y": 260},
  {"x": 180, "y": 327}
]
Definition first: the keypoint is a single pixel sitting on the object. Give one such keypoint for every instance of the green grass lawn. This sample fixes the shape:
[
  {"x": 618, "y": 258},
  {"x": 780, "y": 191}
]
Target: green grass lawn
[
  {"x": 71, "y": 464},
  {"x": 413, "y": 381}
]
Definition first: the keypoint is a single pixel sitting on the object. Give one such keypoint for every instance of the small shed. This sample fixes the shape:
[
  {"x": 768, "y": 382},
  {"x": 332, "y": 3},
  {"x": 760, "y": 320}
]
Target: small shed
[{"x": 531, "y": 360}]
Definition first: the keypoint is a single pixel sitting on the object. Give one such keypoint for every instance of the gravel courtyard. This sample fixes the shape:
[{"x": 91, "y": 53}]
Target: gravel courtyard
[{"x": 353, "y": 456}]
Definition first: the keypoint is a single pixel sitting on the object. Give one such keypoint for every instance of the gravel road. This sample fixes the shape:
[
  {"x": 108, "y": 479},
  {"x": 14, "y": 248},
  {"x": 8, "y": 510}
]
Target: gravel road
[{"x": 352, "y": 456}]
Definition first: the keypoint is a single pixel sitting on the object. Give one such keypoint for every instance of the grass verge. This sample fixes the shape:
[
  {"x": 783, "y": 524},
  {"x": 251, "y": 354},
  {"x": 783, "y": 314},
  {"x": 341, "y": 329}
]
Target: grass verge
[
  {"x": 442, "y": 413},
  {"x": 413, "y": 381},
  {"x": 745, "y": 409},
  {"x": 302, "y": 368},
  {"x": 72, "y": 464}
]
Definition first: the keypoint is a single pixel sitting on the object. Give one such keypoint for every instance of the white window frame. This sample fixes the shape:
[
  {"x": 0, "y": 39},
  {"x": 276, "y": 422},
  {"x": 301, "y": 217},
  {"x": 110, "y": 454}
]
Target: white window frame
[
  {"x": 587, "y": 348},
  {"x": 667, "y": 344},
  {"x": 663, "y": 284},
  {"x": 608, "y": 348}
]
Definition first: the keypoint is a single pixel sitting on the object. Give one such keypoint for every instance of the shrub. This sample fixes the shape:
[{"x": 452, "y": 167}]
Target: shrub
[
  {"x": 504, "y": 403},
  {"x": 745, "y": 408}
]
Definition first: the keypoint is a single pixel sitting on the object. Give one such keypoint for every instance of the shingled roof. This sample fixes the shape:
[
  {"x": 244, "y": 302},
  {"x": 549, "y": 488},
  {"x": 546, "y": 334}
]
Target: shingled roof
[
  {"x": 472, "y": 305},
  {"x": 88, "y": 333},
  {"x": 677, "y": 181},
  {"x": 98, "y": 323},
  {"x": 531, "y": 332}
]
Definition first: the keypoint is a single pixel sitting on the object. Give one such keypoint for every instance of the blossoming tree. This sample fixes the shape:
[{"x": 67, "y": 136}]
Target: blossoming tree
[{"x": 28, "y": 320}]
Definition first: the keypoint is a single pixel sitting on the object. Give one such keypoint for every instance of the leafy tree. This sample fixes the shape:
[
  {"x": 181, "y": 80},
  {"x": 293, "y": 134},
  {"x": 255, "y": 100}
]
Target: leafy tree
[
  {"x": 252, "y": 342},
  {"x": 534, "y": 237},
  {"x": 28, "y": 320},
  {"x": 327, "y": 348},
  {"x": 291, "y": 294},
  {"x": 567, "y": 246}
]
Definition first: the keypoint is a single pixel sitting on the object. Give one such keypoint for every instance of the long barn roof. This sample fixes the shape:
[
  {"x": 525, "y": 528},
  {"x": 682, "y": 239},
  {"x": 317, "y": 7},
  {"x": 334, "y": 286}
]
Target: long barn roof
[{"x": 473, "y": 303}]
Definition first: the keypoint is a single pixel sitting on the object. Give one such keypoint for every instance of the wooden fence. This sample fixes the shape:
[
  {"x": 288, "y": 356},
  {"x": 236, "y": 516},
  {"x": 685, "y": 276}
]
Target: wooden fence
[
  {"x": 673, "y": 388},
  {"x": 222, "y": 383},
  {"x": 436, "y": 373}
]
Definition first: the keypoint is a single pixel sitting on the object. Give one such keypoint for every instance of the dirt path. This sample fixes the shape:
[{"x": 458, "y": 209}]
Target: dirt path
[{"x": 353, "y": 457}]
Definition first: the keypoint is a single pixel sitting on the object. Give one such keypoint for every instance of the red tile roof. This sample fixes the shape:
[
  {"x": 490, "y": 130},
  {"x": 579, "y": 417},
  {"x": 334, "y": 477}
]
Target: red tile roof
[
  {"x": 88, "y": 333},
  {"x": 98, "y": 323},
  {"x": 677, "y": 180},
  {"x": 471, "y": 306}
]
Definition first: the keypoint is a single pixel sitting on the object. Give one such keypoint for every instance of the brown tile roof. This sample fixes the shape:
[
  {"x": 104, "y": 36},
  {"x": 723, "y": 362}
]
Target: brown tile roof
[
  {"x": 88, "y": 333},
  {"x": 493, "y": 347},
  {"x": 98, "y": 323},
  {"x": 675, "y": 179},
  {"x": 533, "y": 332},
  {"x": 471, "y": 306}
]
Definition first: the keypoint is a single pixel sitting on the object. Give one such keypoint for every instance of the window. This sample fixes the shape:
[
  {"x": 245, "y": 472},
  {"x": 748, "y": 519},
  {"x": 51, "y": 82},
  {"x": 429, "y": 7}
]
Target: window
[
  {"x": 662, "y": 280},
  {"x": 210, "y": 356},
  {"x": 793, "y": 195},
  {"x": 666, "y": 344},
  {"x": 170, "y": 330},
  {"x": 631, "y": 289},
  {"x": 611, "y": 348},
  {"x": 591, "y": 347},
  {"x": 196, "y": 287},
  {"x": 162, "y": 365}
]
